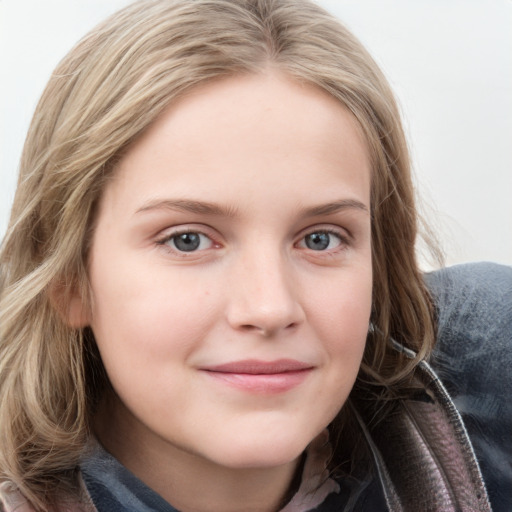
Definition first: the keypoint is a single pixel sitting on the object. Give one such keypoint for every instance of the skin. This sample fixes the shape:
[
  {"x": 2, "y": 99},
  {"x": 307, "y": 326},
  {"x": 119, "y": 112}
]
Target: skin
[{"x": 254, "y": 165}]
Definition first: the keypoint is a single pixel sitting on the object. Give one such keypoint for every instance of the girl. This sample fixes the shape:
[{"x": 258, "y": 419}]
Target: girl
[{"x": 210, "y": 298}]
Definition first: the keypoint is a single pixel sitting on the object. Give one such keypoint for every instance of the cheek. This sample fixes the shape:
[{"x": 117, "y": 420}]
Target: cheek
[
  {"x": 149, "y": 319},
  {"x": 145, "y": 337},
  {"x": 342, "y": 321},
  {"x": 343, "y": 306}
]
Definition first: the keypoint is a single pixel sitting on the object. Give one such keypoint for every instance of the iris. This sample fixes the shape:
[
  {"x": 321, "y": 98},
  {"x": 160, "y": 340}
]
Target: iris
[
  {"x": 187, "y": 241},
  {"x": 318, "y": 241}
]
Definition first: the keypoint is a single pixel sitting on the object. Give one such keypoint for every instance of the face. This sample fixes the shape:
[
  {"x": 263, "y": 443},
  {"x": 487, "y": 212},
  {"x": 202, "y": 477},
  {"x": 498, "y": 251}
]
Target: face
[{"x": 230, "y": 272}]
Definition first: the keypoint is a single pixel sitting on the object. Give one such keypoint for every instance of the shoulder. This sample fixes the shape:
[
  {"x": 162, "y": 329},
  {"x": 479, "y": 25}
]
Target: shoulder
[
  {"x": 473, "y": 357},
  {"x": 12, "y": 500},
  {"x": 473, "y": 290},
  {"x": 474, "y": 309}
]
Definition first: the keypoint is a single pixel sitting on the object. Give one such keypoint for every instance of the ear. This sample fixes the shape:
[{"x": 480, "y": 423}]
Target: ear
[
  {"x": 70, "y": 304},
  {"x": 77, "y": 314}
]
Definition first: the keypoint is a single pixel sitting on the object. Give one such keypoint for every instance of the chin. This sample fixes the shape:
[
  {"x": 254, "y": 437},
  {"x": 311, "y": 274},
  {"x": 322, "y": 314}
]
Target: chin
[{"x": 263, "y": 451}]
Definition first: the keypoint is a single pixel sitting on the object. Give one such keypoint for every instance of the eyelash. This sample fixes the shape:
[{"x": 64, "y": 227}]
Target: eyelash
[{"x": 165, "y": 241}]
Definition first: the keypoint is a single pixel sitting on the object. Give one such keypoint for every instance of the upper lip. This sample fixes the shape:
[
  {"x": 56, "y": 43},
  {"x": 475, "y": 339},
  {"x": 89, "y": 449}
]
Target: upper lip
[{"x": 257, "y": 367}]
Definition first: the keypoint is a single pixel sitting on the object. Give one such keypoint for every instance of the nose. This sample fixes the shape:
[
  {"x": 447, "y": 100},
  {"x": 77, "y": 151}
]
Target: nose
[{"x": 264, "y": 295}]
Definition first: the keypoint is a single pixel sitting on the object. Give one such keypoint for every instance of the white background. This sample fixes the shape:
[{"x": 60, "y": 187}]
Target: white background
[{"x": 449, "y": 62}]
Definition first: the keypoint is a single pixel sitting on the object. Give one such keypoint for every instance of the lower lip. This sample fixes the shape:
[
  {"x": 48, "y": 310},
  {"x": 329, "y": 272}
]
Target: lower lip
[{"x": 271, "y": 383}]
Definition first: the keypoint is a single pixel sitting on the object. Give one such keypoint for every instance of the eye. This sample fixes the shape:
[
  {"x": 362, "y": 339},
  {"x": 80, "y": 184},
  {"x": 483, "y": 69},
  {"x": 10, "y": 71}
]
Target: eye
[
  {"x": 188, "y": 242},
  {"x": 321, "y": 241}
]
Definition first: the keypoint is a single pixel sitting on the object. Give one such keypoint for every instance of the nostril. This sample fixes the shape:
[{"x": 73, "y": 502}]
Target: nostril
[
  {"x": 248, "y": 327},
  {"x": 263, "y": 331},
  {"x": 267, "y": 331}
]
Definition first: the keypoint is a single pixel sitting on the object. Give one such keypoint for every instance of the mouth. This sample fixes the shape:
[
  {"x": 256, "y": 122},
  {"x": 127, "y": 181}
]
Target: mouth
[{"x": 265, "y": 377}]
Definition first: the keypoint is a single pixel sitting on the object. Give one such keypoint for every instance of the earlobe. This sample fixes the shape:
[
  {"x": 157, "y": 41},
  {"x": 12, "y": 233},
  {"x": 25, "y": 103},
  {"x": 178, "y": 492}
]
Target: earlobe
[
  {"x": 70, "y": 305},
  {"x": 77, "y": 313}
]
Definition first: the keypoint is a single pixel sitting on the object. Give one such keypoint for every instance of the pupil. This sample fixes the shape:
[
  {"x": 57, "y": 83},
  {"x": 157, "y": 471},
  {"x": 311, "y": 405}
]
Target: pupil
[
  {"x": 318, "y": 241},
  {"x": 187, "y": 242}
]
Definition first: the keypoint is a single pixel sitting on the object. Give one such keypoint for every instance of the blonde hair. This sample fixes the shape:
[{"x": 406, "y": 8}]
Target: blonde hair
[{"x": 101, "y": 97}]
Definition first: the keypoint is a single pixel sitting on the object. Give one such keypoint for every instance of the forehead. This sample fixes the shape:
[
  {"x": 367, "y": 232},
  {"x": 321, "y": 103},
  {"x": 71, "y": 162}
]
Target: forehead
[{"x": 236, "y": 127}]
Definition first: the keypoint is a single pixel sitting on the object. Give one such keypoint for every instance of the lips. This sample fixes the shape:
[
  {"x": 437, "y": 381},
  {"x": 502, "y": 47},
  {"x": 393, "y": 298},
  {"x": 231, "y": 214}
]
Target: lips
[{"x": 267, "y": 377}]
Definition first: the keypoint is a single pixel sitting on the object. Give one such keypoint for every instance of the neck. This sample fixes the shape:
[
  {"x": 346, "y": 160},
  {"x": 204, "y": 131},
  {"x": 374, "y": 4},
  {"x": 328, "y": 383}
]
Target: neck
[{"x": 187, "y": 481}]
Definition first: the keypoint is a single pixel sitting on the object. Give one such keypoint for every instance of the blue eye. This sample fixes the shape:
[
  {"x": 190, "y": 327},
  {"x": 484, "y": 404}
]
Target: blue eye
[
  {"x": 321, "y": 241},
  {"x": 189, "y": 242}
]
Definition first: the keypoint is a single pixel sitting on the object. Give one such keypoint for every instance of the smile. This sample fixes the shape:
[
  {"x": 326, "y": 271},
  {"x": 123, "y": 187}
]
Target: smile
[{"x": 260, "y": 376}]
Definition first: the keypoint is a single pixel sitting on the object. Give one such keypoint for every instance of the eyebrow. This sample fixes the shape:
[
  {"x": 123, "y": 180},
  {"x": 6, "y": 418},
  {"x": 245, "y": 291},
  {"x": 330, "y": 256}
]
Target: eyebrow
[
  {"x": 189, "y": 206},
  {"x": 207, "y": 208},
  {"x": 335, "y": 207}
]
